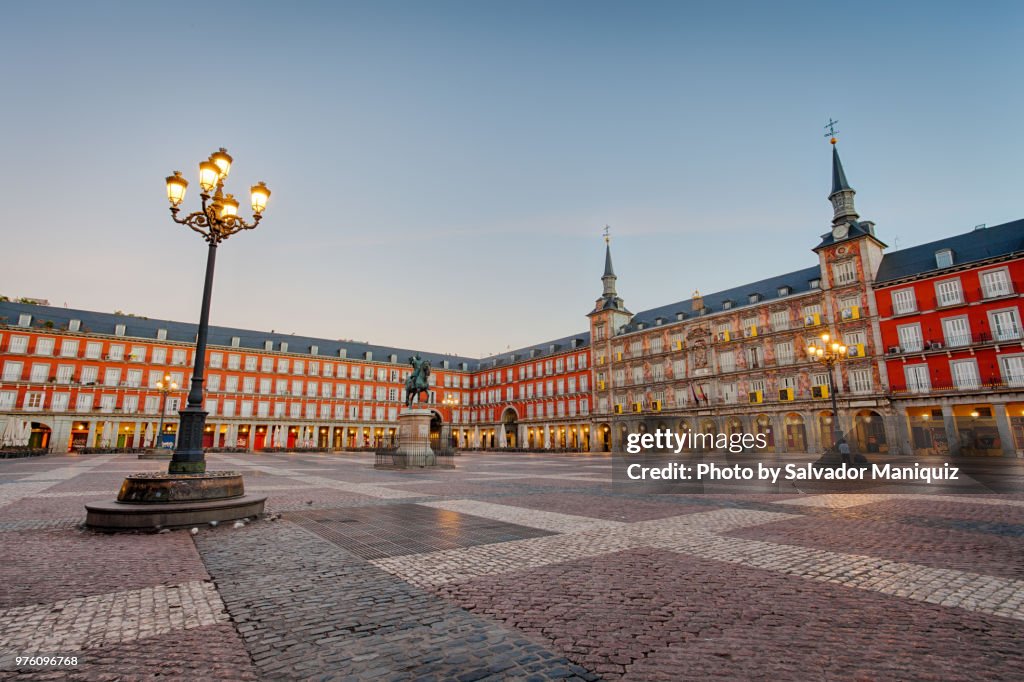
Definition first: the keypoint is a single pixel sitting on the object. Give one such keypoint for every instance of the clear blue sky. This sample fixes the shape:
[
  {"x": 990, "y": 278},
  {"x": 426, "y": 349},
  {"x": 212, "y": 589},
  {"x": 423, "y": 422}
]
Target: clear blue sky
[{"x": 489, "y": 141}]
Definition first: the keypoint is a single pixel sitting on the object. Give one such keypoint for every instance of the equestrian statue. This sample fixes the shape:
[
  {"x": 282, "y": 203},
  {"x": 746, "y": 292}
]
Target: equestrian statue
[{"x": 416, "y": 384}]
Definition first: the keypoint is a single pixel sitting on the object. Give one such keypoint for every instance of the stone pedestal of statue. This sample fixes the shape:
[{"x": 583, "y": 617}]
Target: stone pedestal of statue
[{"x": 414, "y": 450}]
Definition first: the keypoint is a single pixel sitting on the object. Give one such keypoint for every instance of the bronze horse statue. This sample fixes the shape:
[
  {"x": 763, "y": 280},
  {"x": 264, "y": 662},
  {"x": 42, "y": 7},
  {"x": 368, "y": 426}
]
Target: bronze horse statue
[{"x": 416, "y": 384}]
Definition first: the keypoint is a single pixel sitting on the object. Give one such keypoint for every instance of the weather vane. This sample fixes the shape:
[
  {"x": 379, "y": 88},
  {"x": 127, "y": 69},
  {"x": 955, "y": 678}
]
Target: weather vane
[
  {"x": 831, "y": 127},
  {"x": 607, "y": 235}
]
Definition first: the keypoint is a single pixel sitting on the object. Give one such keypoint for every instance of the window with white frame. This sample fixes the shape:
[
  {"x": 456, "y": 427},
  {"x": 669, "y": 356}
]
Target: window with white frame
[
  {"x": 248, "y": 384},
  {"x": 264, "y": 386},
  {"x": 33, "y": 401},
  {"x": 231, "y": 384},
  {"x": 246, "y": 408},
  {"x": 957, "y": 331},
  {"x": 159, "y": 356},
  {"x": 111, "y": 376},
  {"x": 234, "y": 361},
  {"x": 7, "y": 399},
  {"x": 903, "y": 302},
  {"x": 279, "y": 410},
  {"x": 1012, "y": 368},
  {"x": 943, "y": 258},
  {"x": 89, "y": 374},
  {"x": 948, "y": 292},
  {"x": 995, "y": 283},
  {"x": 116, "y": 352},
  {"x": 93, "y": 349},
  {"x": 44, "y": 346},
  {"x": 134, "y": 378},
  {"x": 295, "y": 410},
  {"x": 18, "y": 344},
  {"x": 64, "y": 373},
  {"x": 281, "y": 386},
  {"x": 780, "y": 320},
  {"x": 263, "y": 409},
  {"x": 108, "y": 402},
  {"x": 250, "y": 363},
  {"x": 965, "y": 374},
  {"x": 138, "y": 354},
  {"x": 152, "y": 404},
  {"x": 84, "y": 402},
  {"x": 40, "y": 372},
  {"x": 726, "y": 361},
  {"x": 860, "y": 380},
  {"x": 59, "y": 402},
  {"x": 282, "y": 365},
  {"x": 910, "y": 337},
  {"x": 784, "y": 352},
  {"x": 69, "y": 348},
  {"x": 1005, "y": 325},
  {"x": 917, "y": 378},
  {"x": 727, "y": 392},
  {"x": 178, "y": 356},
  {"x": 213, "y": 383}
]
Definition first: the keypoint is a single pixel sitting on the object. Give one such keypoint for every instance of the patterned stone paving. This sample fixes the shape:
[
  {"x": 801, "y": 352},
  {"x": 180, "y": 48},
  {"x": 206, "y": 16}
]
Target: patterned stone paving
[{"x": 521, "y": 567}]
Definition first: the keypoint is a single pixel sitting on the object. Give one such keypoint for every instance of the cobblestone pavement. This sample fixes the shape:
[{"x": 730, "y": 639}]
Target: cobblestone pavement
[{"x": 521, "y": 567}]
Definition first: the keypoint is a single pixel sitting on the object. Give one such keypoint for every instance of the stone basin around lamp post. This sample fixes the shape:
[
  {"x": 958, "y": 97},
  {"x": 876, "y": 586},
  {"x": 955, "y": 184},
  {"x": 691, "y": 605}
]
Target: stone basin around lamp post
[{"x": 149, "y": 501}]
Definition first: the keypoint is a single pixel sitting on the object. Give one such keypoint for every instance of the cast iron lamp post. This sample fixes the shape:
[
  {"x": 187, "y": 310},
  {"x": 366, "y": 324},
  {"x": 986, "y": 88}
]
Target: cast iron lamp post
[
  {"x": 165, "y": 386},
  {"x": 830, "y": 353},
  {"x": 216, "y": 220},
  {"x": 452, "y": 401}
]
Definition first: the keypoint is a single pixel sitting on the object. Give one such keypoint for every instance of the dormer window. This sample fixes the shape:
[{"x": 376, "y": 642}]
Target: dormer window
[
  {"x": 726, "y": 305},
  {"x": 753, "y": 298},
  {"x": 784, "y": 291},
  {"x": 944, "y": 258},
  {"x": 814, "y": 283}
]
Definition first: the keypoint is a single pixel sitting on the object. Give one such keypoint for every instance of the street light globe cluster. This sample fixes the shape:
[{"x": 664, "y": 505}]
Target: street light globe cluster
[
  {"x": 827, "y": 348},
  {"x": 219, "y": 210}
]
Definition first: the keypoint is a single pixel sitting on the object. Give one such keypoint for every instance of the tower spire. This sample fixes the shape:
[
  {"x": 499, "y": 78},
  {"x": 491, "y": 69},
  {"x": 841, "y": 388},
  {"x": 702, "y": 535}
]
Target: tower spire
[
  {"x": 609, "y": 271},
  {"x": 841, "y": 196},
  {"x": 609, "y": 297}
]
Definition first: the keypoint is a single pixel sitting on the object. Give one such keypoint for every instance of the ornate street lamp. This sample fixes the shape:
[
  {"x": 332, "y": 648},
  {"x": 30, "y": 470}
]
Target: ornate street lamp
[
  {"x": 452, "y": 402},
  {"x": 830, "y": 353},
  {"x": 165, "y": 386},
  {"x": 216, "y": 220}
]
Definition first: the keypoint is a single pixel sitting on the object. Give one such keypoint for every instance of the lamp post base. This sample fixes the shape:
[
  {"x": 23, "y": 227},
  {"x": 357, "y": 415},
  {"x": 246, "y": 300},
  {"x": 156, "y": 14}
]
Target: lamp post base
[
  {"x": 188, "y": 457},
  {"x": 150, "y": 501}
]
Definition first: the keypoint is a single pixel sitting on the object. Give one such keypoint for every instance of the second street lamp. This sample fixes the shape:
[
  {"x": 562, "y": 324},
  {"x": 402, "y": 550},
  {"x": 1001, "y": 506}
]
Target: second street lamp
[
  {"x": 165, "y": 386},
  {"x": 830, "y": 353},
  {"x": 216, "y": 220},
  {"x": 452, "y": 402}
]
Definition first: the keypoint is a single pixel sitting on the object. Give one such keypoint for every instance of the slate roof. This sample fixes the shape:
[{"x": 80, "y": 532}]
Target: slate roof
[
  {"x": 768, "y": 289},
  {"x": 540, "y": 350},
  {"x": 969, "y": 247},
  {"x": 146, "y": 328},
  {"x": 140, "y": 328}
]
